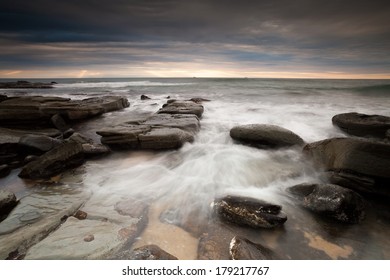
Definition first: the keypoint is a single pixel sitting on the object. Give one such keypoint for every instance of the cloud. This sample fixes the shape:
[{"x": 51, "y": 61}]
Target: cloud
[{"x": 338, "y": 36}]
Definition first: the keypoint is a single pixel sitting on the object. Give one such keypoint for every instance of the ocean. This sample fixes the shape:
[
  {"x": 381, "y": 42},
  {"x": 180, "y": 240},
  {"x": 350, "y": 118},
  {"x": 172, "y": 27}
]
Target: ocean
[{"x": 183, "y": 183}]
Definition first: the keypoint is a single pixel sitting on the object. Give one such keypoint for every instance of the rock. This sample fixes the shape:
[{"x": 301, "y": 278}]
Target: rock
[
  {"x": 57, "y": 160},
  {"x": 39, "y": 143},
  {"x": 244, "y": 249},
  {"x": 359, "y": 183},
  {"x": 89, "y": 238},
  {"x": 37, "y": 215},
  {"x": 164, "y": 138},
  {"x": 80, "y": 138},
  {"x": 182, "y": 107},
  {"x": 157, "y": 132},
  {"x": 265, "y": 136},
  {"x": 199, "y": 100},
  {"x": 38, "y": 110},
  {"x": 331, "y": 201},
  {"x": 59, "y": 123},
  {"x": 81, "y": 215},
  {"x": 144, "y": 97},
  {"x": 358, "y": 156},
  {"x": 189, "y": 123},
  {"x": 4, "y": 170},
  {"x": 68, "y": 133},
  {"x": 95, "y": 150},
  {"x": 150, "y": 252},
  {"x": 30, "y": 158},
  {"x": 25, "y": 84},
  {"x": 7, "y": 203},
  {"x": 362, "y": 125},
  {"x": 248, "y": 211},
  {"x": 3, "y": 97}
]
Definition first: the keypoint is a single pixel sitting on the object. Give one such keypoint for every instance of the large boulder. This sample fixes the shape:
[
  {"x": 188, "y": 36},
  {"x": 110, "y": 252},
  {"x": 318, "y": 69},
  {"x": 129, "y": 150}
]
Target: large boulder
[
  {"x": 362, "y": 125},
  {"x": 244, "y": 249},
  {"x": 182, "y": 107},
  {"x": 7, "y": 203},
  {"x": 57, "y": 160},
  {"x": 158, "y": 132},
  {"x": 332, "y": 201},
  {"x": 360, "y": 156},
  {"x": 248, "y": 211},
  {"x": 265, "y": 136}
]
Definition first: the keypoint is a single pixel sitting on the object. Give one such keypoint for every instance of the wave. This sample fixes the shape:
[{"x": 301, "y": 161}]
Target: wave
[
  {"x": 119, "y": 84},
  {"x": 381, "y": 88}
]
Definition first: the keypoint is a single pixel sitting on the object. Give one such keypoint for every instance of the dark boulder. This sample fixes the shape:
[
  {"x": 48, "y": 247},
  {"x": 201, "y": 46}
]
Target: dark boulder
[
  {"x": 362, "y": 125},
  {"x": 59, "y": 123},
  {"x": 244, "y": 249},
  {"x": 145, "y": 97},
  {"x": 331, "y": 201},
  {"x": 40, "y": 143},
  {"x": 7, "y": 202},
  {"x": 150, "y": 252},
  {"x": 5, "y": 170},
  {"x": 247, "y": 211},
  {"x": 199, "y": 100},
  {"x": 57, "y": 160},
  {"x": 3, "y": 97},
  {"x": 265, "y": 136}
]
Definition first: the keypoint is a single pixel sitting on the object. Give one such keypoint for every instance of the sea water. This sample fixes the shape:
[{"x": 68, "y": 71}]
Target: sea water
[{"x": 187, "y": 180}]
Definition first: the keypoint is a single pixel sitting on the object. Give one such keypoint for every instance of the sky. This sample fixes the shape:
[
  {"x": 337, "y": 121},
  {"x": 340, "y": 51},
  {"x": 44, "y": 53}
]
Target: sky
[{"x": 202, "y": 38}]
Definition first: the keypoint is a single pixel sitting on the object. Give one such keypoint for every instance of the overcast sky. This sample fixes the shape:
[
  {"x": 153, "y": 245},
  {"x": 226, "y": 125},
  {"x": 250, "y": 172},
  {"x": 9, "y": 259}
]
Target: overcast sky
[{"x": 202, "y": 38}]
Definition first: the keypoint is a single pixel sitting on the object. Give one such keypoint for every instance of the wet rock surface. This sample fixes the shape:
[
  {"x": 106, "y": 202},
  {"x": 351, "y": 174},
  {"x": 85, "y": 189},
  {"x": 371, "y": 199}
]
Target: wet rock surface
[
  {"x": 160, "y": 131},
  {"x": 331, "y": 201},
  {"x": 265, "y": 136},
  {"x": 248, "y": 211},
  {"x": 59, "y": 159},
  {"x": 360, "y": 157},
  {"x": 182, "y": 107},
  {"x": 244, "y": 249},
  {"x": 38, "y": 143},
  {"x": 37, "y": 215},
  {"x": 362, "y": 124},
  {"x": 7, "y": 202},
  {"x": 38, "y": 110},
  {"x": 148, "y": 252}
]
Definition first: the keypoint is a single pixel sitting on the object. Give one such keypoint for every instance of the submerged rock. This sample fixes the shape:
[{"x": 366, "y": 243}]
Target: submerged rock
[
  {"x": 145, "y": 97},
  {"x": 331, "y": 201},
  {"x": 248, "y": 211},
  {"x": 265, "y": 136},
  {"x": 148, "y": 252},
  {"x": 244, "y": 249},
  {"x": 59, "y": 159},
  {"x": 362, "y": 125}
]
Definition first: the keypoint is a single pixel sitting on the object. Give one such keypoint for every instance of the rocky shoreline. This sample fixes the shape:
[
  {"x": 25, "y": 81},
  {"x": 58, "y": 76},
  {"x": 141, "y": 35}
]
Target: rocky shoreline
[{"x": 37, "y": 137}]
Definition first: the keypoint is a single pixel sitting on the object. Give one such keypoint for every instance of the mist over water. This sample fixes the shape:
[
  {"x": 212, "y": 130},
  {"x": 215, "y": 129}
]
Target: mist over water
[{"x": 187, "y": 180}]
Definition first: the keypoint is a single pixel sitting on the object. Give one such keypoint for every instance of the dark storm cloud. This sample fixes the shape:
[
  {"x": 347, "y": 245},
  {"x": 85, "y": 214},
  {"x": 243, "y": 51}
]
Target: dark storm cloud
[{"x": 341, "y": 33}]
